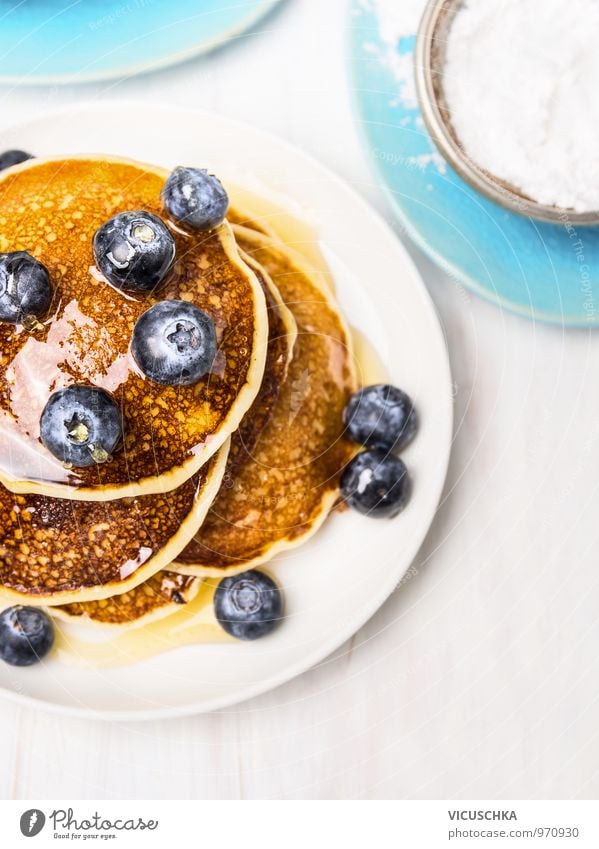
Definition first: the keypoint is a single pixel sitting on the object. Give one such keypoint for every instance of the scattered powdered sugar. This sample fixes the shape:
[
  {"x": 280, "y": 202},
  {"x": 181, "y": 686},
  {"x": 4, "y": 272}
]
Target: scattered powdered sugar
[
  {"x": 521, "y": 82},
  {"x": 398, "y": 18},
  {"x": 398, "y": 22}
]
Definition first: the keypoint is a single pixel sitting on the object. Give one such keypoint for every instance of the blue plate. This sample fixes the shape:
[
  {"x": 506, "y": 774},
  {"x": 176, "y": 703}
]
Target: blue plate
[
  {"x": 546, "y": 272},
  {"x": 54, "y": 41}
]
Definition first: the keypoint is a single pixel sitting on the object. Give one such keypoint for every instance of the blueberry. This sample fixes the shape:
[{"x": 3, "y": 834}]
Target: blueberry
[
  {"x": 195, "y": 198},
  {"x": 381, "y": 416},
  {"x": 26, "y": 635},
  {"x": 135, "y": 251},
  {"x": 174, "y": 343},
  {"x": 248, "y": 606},
  {"x": 81, "y": 425},
  {"x": 25, "y": 288},
  {"x": 13, "y": 157},
  {"x": 376, "y": 483}
]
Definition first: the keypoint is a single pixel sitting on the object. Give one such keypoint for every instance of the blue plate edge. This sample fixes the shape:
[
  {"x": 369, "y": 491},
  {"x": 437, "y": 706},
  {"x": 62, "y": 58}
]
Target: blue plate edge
[{"x": 177, "y": 58}]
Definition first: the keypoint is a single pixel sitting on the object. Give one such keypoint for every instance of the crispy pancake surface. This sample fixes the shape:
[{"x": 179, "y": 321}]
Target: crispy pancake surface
[
  {"x": 55, "y": 551},
  {"x": 159, "y": 596},
  {"x": 284, "y": 488},
  {"x": 52, "y": 209}
]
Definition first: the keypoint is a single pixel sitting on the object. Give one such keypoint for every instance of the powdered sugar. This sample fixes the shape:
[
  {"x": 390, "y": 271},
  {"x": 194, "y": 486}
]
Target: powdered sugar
[
  {"x": 398, "y": 18},
  {"x": 398, "y": 22},
  {"x": 521, "y": 81}
]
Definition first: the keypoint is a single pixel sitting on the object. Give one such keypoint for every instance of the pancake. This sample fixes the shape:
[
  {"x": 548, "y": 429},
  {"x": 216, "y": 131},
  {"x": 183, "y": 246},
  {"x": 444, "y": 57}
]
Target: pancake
[
  {"x": 56, "y": 551},
  {"x": 159, "y": 596},
  {"x": 166, "y": 591},
  {"x": 285, "y": 487},
  {"x": 52, "y": 209}
]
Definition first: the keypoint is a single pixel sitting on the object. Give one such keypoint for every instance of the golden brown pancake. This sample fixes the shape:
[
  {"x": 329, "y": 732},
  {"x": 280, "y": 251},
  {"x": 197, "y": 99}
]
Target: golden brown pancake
[
  {"x": 55, "y": 551},
  {"x": 52, "y": 209},
  {"x": 159, "y": 596},
  {"x": 285, "y": 487},
  {"x": 164, "y": 592}
]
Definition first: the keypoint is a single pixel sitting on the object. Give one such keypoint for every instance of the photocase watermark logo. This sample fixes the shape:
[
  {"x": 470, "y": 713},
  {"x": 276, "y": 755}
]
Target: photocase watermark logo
[
  {"x": 87, "y": 827},
  {"x": 32, "y": 822}
]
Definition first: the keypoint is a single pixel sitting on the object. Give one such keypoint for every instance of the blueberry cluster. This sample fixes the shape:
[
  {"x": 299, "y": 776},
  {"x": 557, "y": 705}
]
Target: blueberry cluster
[
  {"x": 174, "y": 342},
  {"x": 383, "y": 419}
]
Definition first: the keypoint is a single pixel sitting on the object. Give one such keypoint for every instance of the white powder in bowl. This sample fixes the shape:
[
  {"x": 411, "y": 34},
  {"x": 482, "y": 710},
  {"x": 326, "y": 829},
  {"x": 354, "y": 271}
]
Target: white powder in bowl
[{"x": 521, "y": 81}]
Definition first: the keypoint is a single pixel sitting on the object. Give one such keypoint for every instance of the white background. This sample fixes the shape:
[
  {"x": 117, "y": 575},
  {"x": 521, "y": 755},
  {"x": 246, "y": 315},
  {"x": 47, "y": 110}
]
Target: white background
[{"x": 479, "y": 677}]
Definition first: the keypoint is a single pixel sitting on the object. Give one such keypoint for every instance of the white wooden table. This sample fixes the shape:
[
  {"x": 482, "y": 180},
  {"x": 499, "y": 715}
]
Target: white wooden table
[{"x": 480, "y": 676}]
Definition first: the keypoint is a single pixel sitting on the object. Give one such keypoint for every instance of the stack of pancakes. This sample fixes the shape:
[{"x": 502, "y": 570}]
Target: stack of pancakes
[{"x": 212, "y": 478}]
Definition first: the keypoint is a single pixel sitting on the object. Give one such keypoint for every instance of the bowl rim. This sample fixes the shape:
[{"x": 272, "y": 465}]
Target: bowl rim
[{"x": 439, "y": 129}]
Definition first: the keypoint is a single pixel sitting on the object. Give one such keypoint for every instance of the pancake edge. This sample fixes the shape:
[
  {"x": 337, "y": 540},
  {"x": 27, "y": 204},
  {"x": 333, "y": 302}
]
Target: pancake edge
[
  {"x": 111, "y": 628},
  {"x": 285, "y": 313},
  {"x": 161, "y": 560}
]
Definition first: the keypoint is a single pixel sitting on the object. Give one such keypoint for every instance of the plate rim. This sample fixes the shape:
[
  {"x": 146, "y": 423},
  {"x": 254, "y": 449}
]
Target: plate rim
[
  {"x": 177, "y": 57},
  {"x": 553, "y": 319},
  {"x": 446, "y": 415}
]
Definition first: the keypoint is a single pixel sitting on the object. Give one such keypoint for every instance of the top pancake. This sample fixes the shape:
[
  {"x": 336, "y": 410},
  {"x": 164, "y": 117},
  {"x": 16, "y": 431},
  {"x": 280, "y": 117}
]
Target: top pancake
[{"x": 52, "y": 209}]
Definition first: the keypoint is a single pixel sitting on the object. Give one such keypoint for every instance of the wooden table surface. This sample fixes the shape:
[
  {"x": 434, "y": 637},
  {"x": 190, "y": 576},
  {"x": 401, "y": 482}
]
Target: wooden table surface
[{"x": 479, "y": 677}]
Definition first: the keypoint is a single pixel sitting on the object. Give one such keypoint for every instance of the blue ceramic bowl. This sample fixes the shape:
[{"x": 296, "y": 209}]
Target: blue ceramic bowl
[
  {"x": 547, "y": 272},
  {"x": 57, "y": 41}
]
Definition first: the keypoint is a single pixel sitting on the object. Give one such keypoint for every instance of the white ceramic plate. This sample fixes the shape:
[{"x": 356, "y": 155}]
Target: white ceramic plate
[{"x": 342, "y": 576}]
